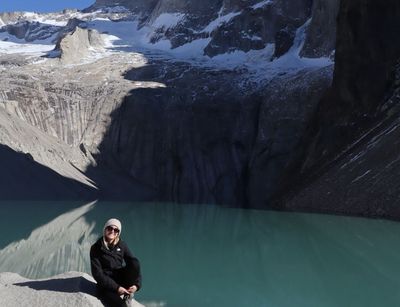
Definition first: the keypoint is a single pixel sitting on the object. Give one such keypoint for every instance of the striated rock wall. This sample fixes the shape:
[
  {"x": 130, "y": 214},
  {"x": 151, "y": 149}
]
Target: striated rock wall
[
  {"x": 286, "y": 110},
  {"x": 64, "y": 101},
  {"x": 214, "y": 142}
]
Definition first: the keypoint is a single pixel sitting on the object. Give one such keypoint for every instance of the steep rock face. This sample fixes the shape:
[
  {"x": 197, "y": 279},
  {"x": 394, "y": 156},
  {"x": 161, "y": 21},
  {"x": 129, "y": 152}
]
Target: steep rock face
[
  {"x": 321, "y": 33},
  {"x": 353, "y": 140},
  {"x": 286, "y": 110},
  {"x": 58, "y": 115},
  {"x": 233, "y": 25},
  {"x": 363, "y": 180},
  {"x": 367, "y": 51},
  {"x": 37, "y": 166},
  {"x": 257, "y": 26},
  {"x": 65, "y": 102},
  {"x": 214, "y": 142},
  {"x": 190, "y": 143}
]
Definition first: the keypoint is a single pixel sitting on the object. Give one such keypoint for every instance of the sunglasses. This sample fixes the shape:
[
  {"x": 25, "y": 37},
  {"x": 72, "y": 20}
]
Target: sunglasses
[{"x": 112, "y": 229}]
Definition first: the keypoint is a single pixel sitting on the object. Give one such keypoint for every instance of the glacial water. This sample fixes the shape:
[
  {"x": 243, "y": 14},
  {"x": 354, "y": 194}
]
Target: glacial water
[{"x": 194, "y": 255}]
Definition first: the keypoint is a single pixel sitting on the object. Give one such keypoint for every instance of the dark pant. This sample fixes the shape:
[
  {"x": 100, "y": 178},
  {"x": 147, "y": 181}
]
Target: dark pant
[{"x": 126, "y": 278}]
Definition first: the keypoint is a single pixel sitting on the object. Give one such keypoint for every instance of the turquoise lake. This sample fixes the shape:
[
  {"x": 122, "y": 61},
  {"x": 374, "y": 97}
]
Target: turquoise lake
[{"x": 204, "y": 255}]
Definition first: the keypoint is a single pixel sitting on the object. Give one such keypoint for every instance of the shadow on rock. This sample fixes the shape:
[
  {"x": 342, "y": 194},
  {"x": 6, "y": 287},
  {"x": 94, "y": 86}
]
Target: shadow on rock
[
  {"x": 22, "y": 178},
  {"x": 69, "y": 285}
]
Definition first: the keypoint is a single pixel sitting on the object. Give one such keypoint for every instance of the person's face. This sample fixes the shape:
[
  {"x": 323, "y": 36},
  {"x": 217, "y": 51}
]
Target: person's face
[{"x": 111, "y": 233}]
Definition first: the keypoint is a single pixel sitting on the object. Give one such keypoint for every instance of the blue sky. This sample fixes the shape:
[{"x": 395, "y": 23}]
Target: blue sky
[{"x": 42, "y": 5}]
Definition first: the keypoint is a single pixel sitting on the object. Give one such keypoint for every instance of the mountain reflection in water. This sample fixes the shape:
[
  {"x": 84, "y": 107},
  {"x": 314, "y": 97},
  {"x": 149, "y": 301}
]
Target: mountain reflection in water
[{"x": 204, "y": 255}]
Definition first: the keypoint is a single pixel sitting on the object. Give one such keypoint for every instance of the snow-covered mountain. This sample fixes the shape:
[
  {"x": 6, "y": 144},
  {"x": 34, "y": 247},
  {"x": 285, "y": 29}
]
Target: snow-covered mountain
[
  {"x": 230, "y": 31},
  {"x": 167, "y": 93},
  {"x": 178, "y": 100}
]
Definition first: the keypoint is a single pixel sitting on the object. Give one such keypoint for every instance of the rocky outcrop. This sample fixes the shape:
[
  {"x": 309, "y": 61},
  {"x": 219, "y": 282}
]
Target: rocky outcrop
[
  {"x": 321, "y": 33},
  {"x": 73, "y": 288},
  {"x": 75, "y": 46}
]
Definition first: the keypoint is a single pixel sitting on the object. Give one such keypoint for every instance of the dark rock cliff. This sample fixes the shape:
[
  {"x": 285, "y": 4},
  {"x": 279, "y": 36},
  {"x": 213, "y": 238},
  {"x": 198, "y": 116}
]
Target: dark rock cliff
[
  {"x": 321, "y": 33},
  {"x": 215, "y": 141},
  {"x": 367, "y": 52},
  {"x": 352, "y": 147}
]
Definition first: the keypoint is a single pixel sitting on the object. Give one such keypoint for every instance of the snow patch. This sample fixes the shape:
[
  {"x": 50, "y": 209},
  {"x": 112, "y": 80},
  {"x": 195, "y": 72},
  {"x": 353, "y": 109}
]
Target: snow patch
[
  {"x": 222, "y": 19},
  {"x": 167, "y": 20},
  {"x": 191, "y": 50},
  {"x": 252, "y": 58},
  {"x": 10, "y": 48},
  {"x": 261, "y": 4}
]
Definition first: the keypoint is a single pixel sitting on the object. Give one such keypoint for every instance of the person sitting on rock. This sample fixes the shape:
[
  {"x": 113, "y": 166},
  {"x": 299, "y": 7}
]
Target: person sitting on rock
[{"x": 115, "y": 269}]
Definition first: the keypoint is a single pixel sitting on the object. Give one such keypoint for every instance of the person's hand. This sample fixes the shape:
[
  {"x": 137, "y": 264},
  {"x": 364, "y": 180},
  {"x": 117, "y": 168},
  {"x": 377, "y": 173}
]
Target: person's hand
[
  {"x": 122, "y": 290},
  {"x": 132, "y": 289}
]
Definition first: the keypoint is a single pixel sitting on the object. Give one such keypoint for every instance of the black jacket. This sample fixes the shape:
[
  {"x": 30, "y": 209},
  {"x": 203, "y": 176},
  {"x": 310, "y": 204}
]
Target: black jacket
[{"x": 106, "y": 263}]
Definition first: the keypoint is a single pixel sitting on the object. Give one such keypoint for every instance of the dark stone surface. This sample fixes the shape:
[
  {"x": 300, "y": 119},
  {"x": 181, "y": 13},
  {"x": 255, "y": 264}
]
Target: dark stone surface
[
  {"x": 321, "y": 33},
  {"x": 367, "y": 51},
  {"x": 212, "y": 142},
  {"x": 350, "y": 163},
  {"x": 254, "y": 28},
  {"x": 251, "y": 29}
]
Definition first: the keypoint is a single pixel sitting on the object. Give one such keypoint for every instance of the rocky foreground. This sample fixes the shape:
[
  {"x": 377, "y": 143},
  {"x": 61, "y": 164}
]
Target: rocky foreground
[{"x": 69, "y": 289}]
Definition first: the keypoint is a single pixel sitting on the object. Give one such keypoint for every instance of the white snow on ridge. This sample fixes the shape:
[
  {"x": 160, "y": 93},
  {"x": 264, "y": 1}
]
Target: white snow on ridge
[
  {"x": 10, "y": 48},
  {"x": 219, "y": 22},
  {"x": 127, "y": 37},
  {"x": 167, "y": 21},
  {"x": 261, "y": 4},
  {"x": 1, "y": 23},
  {"x": 9, "y": 44}
]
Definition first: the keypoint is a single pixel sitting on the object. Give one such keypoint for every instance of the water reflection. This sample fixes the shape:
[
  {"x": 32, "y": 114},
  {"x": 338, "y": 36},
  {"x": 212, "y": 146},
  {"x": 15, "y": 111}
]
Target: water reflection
[
  {"x": 58, "y": 246},
  {"x": 198, "y": 255}
]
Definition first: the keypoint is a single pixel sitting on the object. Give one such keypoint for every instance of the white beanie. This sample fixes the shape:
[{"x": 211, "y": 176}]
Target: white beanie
[{"x": 113, "y": 222}]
